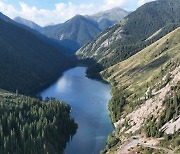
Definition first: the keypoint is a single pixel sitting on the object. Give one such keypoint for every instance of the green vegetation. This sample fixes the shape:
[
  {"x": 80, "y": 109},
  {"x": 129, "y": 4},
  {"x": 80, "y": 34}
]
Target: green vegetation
[
  {"x": 133, "y": 77},
  {"x": 136, "y": 56},
  {"x": 30, "y": 125},
  {"x": 172, "y": 111},
  {"x": 145, "y": 150},
  {"x": 139, "y": 29},
  {"x": 27, "y": 61},
  {"x": 117, "y": 103},
  {"x": 125, "y": 51},
  {"x": 172, "y": 141},
  {"x": 79, "y": 30},
  {"x": 112, "y": 142},
  {"x": 76, "y": 32},
  {"x": 133, "y": 81}
]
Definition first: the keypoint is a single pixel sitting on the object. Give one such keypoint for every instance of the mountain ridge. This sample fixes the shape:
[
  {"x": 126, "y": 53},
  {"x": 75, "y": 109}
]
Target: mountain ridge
[
  {"x": 87, "y": 27},
  {"x": 128, "y": 37},
  {"x": 27, "y": 61},
  {"x": 108, "y": 18},
  {"x": 73, "y": 33},
  {"x": 28, "y": 23}
]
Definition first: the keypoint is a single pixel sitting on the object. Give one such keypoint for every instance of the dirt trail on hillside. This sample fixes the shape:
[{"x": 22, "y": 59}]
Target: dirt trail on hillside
[{"x": 134, "y": 141}]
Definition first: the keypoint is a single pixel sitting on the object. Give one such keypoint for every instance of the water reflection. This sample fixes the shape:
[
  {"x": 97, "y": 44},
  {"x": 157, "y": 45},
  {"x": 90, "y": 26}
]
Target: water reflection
[
  {"x": 63, "y": 84},
  {"x": 88, "y": 99}
]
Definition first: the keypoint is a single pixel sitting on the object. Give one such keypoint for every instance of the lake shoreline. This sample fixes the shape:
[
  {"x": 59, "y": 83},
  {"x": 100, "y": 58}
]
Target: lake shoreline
[
  {"x": 36, "y": 91},
  {"x": 89, "y": 101}
]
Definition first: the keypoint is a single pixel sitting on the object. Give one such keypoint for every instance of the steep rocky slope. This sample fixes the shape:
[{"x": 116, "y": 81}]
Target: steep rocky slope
[
  {"x": 146, "y": 94},
  {"x": 133, "y": 33}
]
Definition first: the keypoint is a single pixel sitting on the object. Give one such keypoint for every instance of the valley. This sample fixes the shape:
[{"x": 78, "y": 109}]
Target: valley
[
  {"x": 106, "y": 82},
  {"x": 79, "y": 30},
  {"x": 88, "y": 108},
  {"x": 145, "y": 93}
]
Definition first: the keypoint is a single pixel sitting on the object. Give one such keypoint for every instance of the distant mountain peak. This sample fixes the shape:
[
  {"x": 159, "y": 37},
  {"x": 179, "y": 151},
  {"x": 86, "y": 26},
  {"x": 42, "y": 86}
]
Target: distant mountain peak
[
  {"x": 78, "y": 17},
  {"x": 80, "y": 29},
  {"x": 108, "y": 18},
  {"x": 127, "y": 38},
  {"x": 115, "y": 9},
  {"x": 28, "y": 23},
  {"x": 115, "y": 14}
]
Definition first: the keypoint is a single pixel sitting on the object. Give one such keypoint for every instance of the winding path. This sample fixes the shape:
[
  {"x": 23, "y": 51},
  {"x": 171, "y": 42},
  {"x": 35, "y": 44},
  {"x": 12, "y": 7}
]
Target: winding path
[{"x": 137, "y": 141}]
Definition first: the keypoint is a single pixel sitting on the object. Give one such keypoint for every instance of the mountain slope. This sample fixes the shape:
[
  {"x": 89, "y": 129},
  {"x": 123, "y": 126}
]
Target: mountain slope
[
  {"x": 142, "y": 65},
  {"x": 79, "y": 30},
  {"x": 133, "y": 33},
  {"x": 74, "y": 33},
  {"x": 49, "y": 41},
  {"x": 108, "y": 18},
  {"x": 115, "y": 14},
  {"x": 28, "y": 23},
  {"x": 5, "y": 18},
  {"x": 146, "y": 89},
  {"x": 27, "y": 61}
]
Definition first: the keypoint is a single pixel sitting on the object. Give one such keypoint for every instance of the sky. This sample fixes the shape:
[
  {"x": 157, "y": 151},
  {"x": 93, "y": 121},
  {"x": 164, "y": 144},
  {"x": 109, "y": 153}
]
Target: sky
[{"x": 45, "y": 12}]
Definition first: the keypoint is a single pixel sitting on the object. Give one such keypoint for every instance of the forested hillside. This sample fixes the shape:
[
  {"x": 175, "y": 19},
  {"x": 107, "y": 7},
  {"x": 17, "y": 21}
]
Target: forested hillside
[
  {"x": 74, "y": 33},
  {"x": 27, "y": 61},
  {"x": 146, "y": 96},
  {"x": 136, "y": 31},
  {"x": 29, "y": 125},
  {"x": 79, "y": 30}
]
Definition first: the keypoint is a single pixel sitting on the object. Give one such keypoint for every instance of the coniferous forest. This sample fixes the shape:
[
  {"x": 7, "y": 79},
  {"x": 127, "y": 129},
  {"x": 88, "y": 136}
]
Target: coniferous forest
[
  {"x": 30, "y": 125},
  {"x": 138, "y": 55},
  {"x": 27, "y": 61}
]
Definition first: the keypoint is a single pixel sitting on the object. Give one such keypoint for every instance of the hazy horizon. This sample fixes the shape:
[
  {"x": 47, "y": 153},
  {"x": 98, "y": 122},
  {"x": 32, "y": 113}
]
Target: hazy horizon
[{"x": 58, "y": 11}]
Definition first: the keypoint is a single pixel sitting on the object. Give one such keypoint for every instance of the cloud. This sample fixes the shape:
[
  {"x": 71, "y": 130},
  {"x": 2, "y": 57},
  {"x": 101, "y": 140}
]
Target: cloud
[
  {"x": 63, "y": 11},
  {"x": 8, "y": 9},
  {"x": 125, "y": 4}
]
